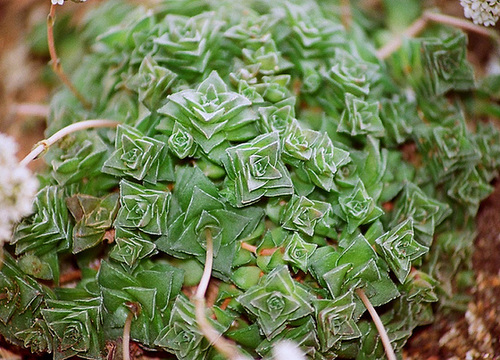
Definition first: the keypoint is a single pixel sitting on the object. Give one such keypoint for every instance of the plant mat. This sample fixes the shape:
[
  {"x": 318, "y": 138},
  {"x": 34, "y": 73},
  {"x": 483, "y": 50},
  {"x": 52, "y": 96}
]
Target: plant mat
[{"x": 473, "y": 335}]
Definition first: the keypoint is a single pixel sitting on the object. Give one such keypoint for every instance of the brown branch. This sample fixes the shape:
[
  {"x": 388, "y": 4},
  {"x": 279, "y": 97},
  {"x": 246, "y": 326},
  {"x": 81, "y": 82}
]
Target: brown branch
[
  {"x": 55, "y": 62},
  {"x": 460, "y": 23},
  {"x": 413, "y": 30},
  {"x": 421, "y": 23},
  {"x": 345, "y": 9}
]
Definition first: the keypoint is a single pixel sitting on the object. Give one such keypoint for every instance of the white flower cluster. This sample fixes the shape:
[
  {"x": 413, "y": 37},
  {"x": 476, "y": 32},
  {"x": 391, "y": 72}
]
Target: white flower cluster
[
  {"x": 18, "y": 187},
  {"x": 483, "y": 12}
]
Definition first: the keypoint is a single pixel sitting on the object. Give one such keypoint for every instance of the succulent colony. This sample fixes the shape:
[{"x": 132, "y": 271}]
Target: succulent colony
[{"x": 269, "y": 129}]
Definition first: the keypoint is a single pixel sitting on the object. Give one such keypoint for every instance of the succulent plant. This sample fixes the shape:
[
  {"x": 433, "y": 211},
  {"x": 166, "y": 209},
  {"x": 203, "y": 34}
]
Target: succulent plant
[{"x": 267, "y": 146}]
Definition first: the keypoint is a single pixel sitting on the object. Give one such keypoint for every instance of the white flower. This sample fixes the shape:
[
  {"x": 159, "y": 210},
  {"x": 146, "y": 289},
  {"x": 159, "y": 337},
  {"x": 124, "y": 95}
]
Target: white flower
[
  {"x": 57, "y": 2},
  {"x": 287, "y": 350},
  {"x": 483, "y": 12},
  {"x": 18, "y": 187}
]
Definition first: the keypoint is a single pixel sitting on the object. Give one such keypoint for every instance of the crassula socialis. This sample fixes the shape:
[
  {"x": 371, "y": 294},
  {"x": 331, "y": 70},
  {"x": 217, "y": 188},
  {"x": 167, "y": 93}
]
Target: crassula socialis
[{"x": 266, "y": 145}]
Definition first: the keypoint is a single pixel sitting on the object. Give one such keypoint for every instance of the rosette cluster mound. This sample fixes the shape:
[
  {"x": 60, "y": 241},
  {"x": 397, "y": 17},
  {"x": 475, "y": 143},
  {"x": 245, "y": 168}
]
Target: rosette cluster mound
[{"x": 317, "y": 169}]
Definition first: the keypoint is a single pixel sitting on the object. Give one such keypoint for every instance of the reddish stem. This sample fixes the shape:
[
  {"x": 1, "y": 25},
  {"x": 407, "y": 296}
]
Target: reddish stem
[
  {"x": 267, "y": 252},
  {"x": 249, "y": 247},
  {"x": 70, "y": 276},
  {"x": 54, "y": 60}
]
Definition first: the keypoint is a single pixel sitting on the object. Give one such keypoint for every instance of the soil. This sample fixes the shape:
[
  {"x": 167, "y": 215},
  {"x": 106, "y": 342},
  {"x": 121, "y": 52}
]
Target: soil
[{"x": 474, "y": 334}]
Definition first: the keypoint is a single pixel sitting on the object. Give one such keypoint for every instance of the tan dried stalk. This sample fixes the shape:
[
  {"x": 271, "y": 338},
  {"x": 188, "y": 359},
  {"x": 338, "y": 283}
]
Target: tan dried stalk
[
  {"x": 421, "y": 23},
  {"x": 56, "y": 63},
  {"x": 389, "y": 351},
  {"x": 82, "y": 125},
  {"x": 224, "y": 346},
  {"x": 126, "y": 336},
  {"x": 135, "y": 309},
  {"x": 30, "y": 109},
  {"x": 345, "y": 8}
]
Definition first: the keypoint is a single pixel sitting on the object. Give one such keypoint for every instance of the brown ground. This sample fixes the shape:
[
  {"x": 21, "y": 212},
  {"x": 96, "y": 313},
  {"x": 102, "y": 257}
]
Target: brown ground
[
  {"x": 473, "y": 335},
  {"x": 476, "y": 334}
]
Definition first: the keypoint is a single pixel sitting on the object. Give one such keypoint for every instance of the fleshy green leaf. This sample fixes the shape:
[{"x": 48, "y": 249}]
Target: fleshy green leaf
[
  {"x": 49, "y": 228},
  {"x": 182, "y": 335},
  {"x": 94, "y": 216},
  {"x": 143, "y": 209},
  {"x": 360, "y": 117},
  {"x": 203, "y": 209},
  {"x": 153, "y": 83},
  {"x": 256, "y": 170},
  {"x": 298, "y": 252},
  {"x": 303, "y": 214},
  {"x": 211, "y": 113},
  {"x": 150, "y": 287},
  {"x": 138, "y": 156},
  {"x": 187, "y": 43},
  {"x": 336, "y": 320},
  {"x": 131, "y": 247},
  {"x": 276, "y": 300},
  {"x": 77, "y": 157},
  {"x": 357, "y": 207},
  {"x": 77, "y": 327},
  {"x": 399, "y": 249},
  {"x": 426, "y": 212}
]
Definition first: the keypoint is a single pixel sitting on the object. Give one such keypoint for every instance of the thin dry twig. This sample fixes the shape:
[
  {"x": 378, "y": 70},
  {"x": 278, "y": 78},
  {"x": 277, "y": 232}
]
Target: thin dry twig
[
  {"x": 55, "y": 62},
  {"x": 460, "y": 23},
  {"x": 249, "y": 247},
  {"x": 225, "y": 347},
  {"x": 389, "y": 351},
  {"x": 87, "y": 124},
  {"x": 30, "y": 109},
  {"x": 345, "y": 7},
  {"x": 421, "y": 23},
  {"x": 126, "y": 336},
  {"x": 413, "y": 30},
  {"x": 134, "y": 311}
]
